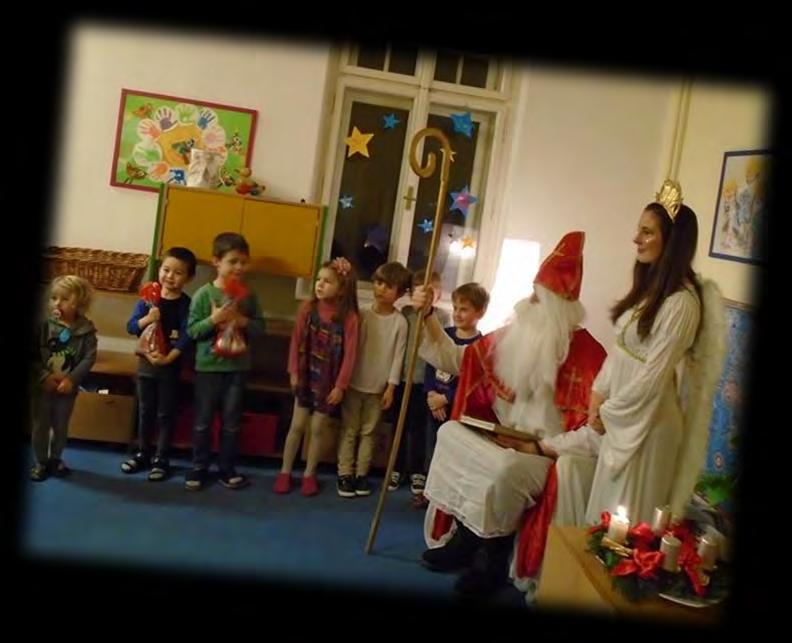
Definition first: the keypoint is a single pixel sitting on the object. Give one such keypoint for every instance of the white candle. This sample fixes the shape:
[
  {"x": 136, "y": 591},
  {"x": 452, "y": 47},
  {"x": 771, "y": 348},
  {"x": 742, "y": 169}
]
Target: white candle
[
  {"x": 670, "y": 546},
  {"x": 707, "y": 550},
  {"x": 619, "y": 526},
  {"x": 721, "y": 542},
  {"x": 662, "y": 518}
]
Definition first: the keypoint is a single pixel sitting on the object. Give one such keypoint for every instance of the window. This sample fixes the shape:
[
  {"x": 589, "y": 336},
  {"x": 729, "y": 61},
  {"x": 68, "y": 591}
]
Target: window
[{"x": 379, "y": 209}]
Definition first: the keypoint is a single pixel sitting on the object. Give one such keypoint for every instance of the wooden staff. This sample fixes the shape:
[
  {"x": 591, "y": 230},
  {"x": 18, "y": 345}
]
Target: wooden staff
[{"x": 424, "y": 172}]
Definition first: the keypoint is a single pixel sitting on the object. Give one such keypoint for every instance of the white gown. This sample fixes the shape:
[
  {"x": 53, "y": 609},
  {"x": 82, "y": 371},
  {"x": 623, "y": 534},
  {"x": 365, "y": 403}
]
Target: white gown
[{"x": 641, "y": 412}]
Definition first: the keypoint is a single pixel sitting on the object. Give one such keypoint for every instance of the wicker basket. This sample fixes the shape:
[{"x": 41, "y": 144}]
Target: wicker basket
[{"x": 106, "y": 270}]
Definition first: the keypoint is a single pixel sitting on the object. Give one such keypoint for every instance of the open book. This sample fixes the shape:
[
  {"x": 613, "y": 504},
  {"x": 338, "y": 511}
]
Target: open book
[{"x": 500, "y": 429}]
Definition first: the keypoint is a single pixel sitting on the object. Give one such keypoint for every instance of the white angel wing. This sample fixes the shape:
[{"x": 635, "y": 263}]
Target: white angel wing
[{"x": 703, "y": 369}]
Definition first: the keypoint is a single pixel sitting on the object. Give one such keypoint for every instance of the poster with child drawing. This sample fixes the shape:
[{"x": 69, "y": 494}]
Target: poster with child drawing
[
  {"x": 156, "y": 134},
  {"x": 741, "y": 213}
]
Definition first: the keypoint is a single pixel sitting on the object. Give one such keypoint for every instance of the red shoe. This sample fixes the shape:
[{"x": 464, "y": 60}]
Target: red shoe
[
  {"x": 310, "y": 486},
  {"x": 283, "y": 483}
]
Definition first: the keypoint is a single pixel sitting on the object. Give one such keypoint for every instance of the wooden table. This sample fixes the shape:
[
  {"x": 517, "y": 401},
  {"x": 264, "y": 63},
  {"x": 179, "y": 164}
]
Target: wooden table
[{"x": 573, "y": 577}]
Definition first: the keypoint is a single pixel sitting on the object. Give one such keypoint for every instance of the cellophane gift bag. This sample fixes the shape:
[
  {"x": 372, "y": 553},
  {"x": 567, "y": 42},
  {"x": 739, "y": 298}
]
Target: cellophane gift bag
[
  {"x": 230, "y": 340},
  {"x": 152, "y": 339}
]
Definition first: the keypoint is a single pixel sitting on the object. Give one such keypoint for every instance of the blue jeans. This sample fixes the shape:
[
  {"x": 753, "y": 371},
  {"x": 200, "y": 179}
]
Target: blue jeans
[{"x": 214, "y": 392}]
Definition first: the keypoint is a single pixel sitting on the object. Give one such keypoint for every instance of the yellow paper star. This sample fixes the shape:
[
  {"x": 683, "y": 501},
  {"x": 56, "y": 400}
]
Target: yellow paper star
[
  {"x": 358, "y": 143},
  {"x": 468, "y": 242}
]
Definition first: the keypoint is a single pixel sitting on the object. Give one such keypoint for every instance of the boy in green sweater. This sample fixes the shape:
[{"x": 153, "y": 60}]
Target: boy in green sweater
[{"x": 222, "y": 366}]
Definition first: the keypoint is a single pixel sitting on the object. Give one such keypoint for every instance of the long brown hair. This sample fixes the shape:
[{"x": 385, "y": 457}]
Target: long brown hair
[
  {"x": 652, "y": 283},
  {"x": 347, "y": 288}
]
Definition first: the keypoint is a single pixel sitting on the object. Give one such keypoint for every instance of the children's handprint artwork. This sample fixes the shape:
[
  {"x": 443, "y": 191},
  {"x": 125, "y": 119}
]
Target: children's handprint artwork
[{"x": 156, "y": 135}]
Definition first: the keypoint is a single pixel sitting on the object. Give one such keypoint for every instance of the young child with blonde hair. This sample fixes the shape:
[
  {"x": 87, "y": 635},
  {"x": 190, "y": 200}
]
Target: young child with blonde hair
[{"x": 67, "y": 352}]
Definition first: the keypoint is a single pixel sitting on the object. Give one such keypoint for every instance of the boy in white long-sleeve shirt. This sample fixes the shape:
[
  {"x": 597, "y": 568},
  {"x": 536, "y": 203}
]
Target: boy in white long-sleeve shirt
[{"x": 382, "y": 341}]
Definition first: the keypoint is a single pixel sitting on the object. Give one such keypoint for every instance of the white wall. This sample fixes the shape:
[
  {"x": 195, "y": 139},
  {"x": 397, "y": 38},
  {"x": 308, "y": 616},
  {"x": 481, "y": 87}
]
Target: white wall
[
  {"x": 284, "y": 81},
  {"x": 587, "y": 147},
  {"x": 722, "y": 118}
]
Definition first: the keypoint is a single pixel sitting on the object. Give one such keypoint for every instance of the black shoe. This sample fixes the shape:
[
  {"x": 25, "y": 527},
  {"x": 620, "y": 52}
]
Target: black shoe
[
  {"x": 362, "y": 486},
  {"x": 195, "y": 479},
  {"x": 232, "y": 480},
  {"x": 457, "y": 553},
  {"x": 135, "y": 463},
  {"x": 160, "y": 469},
  {"x": 346, "y": 486},
  {"x": 58, "y": 468},
  {"x": 490, "y": 570}
]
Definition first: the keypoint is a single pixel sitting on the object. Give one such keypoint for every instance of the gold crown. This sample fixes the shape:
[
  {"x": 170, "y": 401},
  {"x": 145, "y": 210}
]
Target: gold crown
[{"x": 670, "y": 197}]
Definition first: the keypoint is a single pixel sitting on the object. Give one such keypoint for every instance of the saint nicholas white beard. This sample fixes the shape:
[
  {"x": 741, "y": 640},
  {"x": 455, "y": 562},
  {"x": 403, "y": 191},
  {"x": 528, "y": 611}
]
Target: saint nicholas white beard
[{"x": 530, "y": 351}]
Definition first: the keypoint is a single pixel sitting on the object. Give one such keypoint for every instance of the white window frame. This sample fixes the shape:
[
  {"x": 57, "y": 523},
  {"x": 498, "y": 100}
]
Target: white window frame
[{"x": 424, "y": 91}]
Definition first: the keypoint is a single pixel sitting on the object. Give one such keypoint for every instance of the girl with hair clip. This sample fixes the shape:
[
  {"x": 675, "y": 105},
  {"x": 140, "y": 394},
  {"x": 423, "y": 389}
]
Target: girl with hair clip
[
  {"x": 321, "y": 359},
  {"x": 650, "y": 446}
]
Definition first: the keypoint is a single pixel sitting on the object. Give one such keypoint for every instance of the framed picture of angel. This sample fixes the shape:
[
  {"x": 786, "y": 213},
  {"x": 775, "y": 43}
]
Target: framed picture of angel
[{"x": 741, "y": 213}]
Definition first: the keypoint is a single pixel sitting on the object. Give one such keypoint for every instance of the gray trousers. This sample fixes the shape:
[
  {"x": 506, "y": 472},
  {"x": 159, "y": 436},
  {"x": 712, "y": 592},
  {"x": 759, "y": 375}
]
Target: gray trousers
[{"x": 53, "y": 413}]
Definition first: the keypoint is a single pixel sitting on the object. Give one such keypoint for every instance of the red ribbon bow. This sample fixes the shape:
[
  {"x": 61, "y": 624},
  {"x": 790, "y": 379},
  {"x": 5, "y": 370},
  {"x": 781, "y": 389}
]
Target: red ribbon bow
[
  {"x": 645, "y": 563},
  {"x": 604, "y": 524},
  {"x": 690, "y": 562},
  {"x": 642, "y": 537}
]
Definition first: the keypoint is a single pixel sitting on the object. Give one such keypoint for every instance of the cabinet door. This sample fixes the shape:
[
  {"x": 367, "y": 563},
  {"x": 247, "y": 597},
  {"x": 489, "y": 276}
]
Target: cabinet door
[
  {"x": 193, "y": 217},
  {"x": 282, "y": 236}
]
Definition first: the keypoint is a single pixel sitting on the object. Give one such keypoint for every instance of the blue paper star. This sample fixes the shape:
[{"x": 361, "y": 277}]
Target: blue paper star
[
  {"x": 426, "y": 225},
  {"x": 389, "y": 121},
  {"x": 346, "y": 202},
  {"x": 463, "y": 123},
  {"x": 462, "y": 200}
]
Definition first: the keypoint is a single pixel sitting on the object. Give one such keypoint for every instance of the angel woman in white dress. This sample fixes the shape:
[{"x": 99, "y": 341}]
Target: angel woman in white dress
[{"x": 669, "y": 323}]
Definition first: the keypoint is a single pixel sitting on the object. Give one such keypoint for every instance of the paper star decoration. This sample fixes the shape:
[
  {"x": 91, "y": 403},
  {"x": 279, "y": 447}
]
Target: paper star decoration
[
  {"x": 463, "y": 123},
  {"x": 426, "y": 225},
  {"x": 468, "y": 242},
  {"x": 346, "y": 202},
  {"x": 389, "y": 121},
  {"x": 358, "y": 143},
  {"x": 462, "y": 200}
]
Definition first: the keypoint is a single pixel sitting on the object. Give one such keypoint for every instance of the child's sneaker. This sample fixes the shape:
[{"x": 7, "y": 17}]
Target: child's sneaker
[
  {"x": 309, "y": 486},
  {"x": 417, "y": 484},
  {"x": 395, "y": 481},
  {"x": 362, "y": 486},
  {"x": 58, "y": 468},
  {"x": 346, "y": 486},
  {"x": 232, "y": 480},
  {"x": 39, "y": 472},
  {"x": 282, "y": 483}
]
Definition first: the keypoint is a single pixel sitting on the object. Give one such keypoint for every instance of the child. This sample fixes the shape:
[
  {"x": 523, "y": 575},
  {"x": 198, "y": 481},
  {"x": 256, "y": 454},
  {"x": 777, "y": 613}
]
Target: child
[
  {"x": 411, "y": 456},
  {"x": 220, "y": 378},
  {"x": 67, "y": 349},
  {"x": 321, "y": 358},
  {"x": 470, "y": 302},
  {"x": 383, "y": 337},
  {"x": 158, "y": 374}
]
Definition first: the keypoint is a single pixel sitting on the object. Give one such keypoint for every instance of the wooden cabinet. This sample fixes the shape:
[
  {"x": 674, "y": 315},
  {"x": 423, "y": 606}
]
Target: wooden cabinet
[{"x": 284, "y": 237}]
